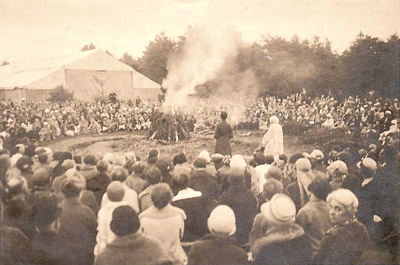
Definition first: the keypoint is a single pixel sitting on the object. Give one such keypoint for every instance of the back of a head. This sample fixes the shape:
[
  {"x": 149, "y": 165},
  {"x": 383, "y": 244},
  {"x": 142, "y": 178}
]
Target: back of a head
[
  {"x": 102, "y": 166},
  {"x": 89, "y": 160},
  {"x": 42, "y": 157},
  {"x": 153, "y": 175},
  {"x": 320, "y": 188},
  {"x": 138, "y": 167},
  {"x": 260, "y": 159},
  {"x": 124, "y": 221},
  {"x": 269, "y": 159},
  {"x": 179, "y": 159},
  {"x": 271, "y": 187},
  {"x": 236, "y": 176},
  {"x": 222, "y": 221},
  {"x": 161, "y": 195},
  {"x": 274, "y": 172},
  {"x": 40, "y": 178},
  {"x": 115, "y": 191},
  {"x": 119, "y": 173},
  {"x": 224, "y": 115},
  {"x": 200, "y": 163},
  {"x": 293, "y": 158},
  {"x": 180, "y": 179},
  {"x": 45, "y": 210}
]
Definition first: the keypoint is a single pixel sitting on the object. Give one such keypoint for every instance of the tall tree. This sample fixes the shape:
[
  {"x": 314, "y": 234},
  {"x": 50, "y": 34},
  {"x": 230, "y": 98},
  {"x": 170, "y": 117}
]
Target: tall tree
[{"x": 153, "y": 63}]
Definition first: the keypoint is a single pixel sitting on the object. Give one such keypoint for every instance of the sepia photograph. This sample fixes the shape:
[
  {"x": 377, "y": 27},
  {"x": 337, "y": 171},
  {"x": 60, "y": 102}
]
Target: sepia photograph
[{"x": 199, "y": 132}]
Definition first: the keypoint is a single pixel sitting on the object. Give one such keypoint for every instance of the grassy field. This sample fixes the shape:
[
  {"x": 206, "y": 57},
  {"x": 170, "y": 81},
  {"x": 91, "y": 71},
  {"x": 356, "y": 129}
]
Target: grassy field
[{"x": 244, "y": 142}]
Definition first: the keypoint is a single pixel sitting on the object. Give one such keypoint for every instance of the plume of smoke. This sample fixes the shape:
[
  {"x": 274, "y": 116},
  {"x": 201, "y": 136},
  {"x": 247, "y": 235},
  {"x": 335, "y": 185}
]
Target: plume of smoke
[{"x": 204, "y": 55}]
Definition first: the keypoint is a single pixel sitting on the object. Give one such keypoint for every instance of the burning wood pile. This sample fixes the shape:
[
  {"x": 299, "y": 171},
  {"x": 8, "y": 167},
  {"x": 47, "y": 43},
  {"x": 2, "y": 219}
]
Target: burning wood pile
[{"x": 168, "y": 127}]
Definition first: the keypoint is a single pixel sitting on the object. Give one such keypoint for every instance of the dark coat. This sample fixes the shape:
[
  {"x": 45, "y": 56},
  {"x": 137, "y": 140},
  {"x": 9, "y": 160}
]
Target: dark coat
[
  {"x": 133, "y": 249},
  {"x": 98, "y": 185},
  {"x": 50, "y": 249},
  {"x": 203, "y": 181},
  {"x": 293, "y": 191},
  {"x": 244, "y": 205},
  {"x": 343, "y": 244},
  {"x": 197, "y": 211},
  {"x": 217, "y": 250},
  {"x": 223, "y": 134},
  {"x": 15, "y": 247},
  {"x": 78, "y": 229},
  {"x": 285, "y": 244}
]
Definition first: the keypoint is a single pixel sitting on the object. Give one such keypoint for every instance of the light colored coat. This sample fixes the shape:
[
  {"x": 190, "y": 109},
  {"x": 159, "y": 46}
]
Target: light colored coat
[{"x": 166, "y": 225}]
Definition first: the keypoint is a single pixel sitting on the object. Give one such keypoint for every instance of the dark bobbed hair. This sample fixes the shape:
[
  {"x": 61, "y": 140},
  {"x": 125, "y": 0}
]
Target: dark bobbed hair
[
  {"x": 161, "y": 195},
  {"x": 320, "y": 188}
]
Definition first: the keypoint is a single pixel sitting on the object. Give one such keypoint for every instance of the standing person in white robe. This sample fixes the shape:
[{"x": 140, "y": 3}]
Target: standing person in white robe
[{"x": 273, "y": 139}]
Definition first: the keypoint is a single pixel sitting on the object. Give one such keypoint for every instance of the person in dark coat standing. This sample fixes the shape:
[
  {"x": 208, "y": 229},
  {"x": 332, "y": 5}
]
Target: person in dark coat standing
[
  {"x": 218, "y": 247},
  {"x": 223, "y": 134},
  {"x": 204, "y": 182},
  {"x": 243, "y": 203},
  {"x": 78, "y": 223}
]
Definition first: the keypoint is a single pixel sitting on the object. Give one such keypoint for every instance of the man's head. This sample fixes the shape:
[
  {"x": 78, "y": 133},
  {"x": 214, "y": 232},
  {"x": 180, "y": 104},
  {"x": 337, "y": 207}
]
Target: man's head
[{"x": 124, "y": 221}]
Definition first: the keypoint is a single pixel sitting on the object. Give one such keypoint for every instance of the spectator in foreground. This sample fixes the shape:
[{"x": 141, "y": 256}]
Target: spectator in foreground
[
  {"x": 285, "y": 242},
  {"x": 243, "y": 202},
  {"x": 218, "y": 247},
  {"x": 348, "y": 238},
  {"x": 131, "y": 247},
  {"x": 78, "y": 223},
  {"x": 165, "y": 223},
  {"x": 314, "y": 216}
]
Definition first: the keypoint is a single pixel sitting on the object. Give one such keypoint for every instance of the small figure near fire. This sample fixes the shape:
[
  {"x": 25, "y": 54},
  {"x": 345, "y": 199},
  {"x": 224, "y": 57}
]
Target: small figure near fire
[{"x": 223, "y": 134}]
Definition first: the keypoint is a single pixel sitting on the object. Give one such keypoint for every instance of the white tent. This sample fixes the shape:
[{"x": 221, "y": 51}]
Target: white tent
[{"x": 89, "y": 75}]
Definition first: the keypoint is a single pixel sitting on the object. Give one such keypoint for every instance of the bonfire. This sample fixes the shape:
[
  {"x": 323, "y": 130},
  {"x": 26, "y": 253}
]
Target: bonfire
[{"x": 168, "y": 127}]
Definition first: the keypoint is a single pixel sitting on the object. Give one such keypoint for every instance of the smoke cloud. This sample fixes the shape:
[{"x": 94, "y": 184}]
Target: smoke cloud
[{"x": 210, "y": 54}]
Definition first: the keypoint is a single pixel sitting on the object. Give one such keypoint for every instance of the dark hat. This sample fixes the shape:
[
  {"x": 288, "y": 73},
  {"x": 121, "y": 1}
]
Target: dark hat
[
  {"x": 124, "y": 221},
  {"x": 45, "y": 210},
  {"x": 89, "y": 160},
  {"x": 179, "y": 159},
  {"x": 153, "y": 153},
  {"x": 259, "y": 158},
  {"x": 24, "y": 163},
  {"x": 138, "y": 167},
  {"x": 164, "y": 166}
]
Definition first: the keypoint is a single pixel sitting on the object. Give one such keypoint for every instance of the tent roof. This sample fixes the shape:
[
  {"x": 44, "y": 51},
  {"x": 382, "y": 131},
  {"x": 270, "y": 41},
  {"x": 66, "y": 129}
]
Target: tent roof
[{"x": 48, "y": 73}]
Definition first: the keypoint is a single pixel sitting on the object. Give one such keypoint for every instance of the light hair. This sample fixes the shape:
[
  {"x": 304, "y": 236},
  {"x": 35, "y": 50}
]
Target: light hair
[{"x": 344, "y": 197}]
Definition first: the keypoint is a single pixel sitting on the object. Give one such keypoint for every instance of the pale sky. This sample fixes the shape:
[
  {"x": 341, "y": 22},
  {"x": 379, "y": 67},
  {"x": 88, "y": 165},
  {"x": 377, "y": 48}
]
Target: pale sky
[{"x": 35, "y": 29}]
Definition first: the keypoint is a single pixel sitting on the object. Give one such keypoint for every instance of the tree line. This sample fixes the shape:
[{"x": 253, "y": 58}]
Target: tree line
[{"x": 284, "y": 67}]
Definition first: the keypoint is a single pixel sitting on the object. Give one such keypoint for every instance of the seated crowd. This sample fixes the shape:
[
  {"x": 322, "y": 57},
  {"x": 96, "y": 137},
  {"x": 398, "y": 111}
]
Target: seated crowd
[
  {"x": 309, "y": 208},
  {"x": 367, "y": 117}
]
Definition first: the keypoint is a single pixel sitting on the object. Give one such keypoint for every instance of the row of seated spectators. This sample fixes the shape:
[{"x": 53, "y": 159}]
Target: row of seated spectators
[
  {"x": 333, "y": 207},
  {"x": 367, "y": 117}
]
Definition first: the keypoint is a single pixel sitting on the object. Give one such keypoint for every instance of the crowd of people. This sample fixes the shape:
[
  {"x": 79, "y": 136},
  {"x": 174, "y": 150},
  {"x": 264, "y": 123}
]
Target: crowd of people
[
  {"x": 48, "y": 121},
  {"x": 335, "y": 206},
  {"x": 368, "y": 117}
]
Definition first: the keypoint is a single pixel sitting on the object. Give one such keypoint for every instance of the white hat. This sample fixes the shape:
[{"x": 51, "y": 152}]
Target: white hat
[
  {"x": 205, "y": 155},
  {"x": 338, "y": 166},
  {"x": 279, "y": 210},
  {"x": 222, "y": 221},
  {"x": 368, "y": 163},
  {"x": 317, "y": 154},
  {"x": 238, "y": 161}
]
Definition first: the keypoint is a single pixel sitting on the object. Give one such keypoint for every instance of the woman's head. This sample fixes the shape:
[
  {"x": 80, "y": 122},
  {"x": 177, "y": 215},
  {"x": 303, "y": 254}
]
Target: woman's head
[
  {"x": 161, "y": 195},
  {"x": 343, "y": 206}
]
